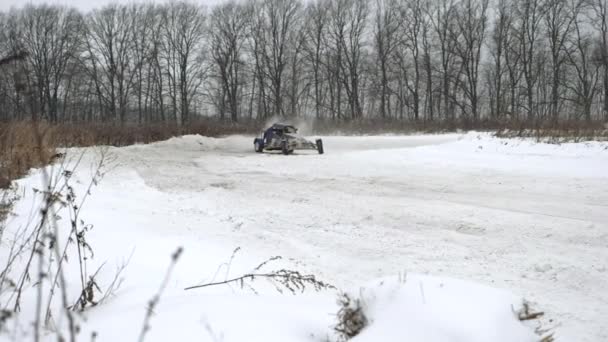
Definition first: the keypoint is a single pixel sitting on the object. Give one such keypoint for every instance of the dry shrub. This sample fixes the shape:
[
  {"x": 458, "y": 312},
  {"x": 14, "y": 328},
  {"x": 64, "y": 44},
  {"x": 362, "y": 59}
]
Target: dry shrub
[
  {"x": 370, "y": 126},
  {"x": 23, "y": 145},
  {"x": 563, "y": 131},
  {"x": 7, "y": 197},
  {"x": 90, "y": 134},
  {"x": 365, "y": 126},
  {"x": 26, "y": 144},
  {"x": 351, "y": 319},
  {"x": 575, "y": 128}
]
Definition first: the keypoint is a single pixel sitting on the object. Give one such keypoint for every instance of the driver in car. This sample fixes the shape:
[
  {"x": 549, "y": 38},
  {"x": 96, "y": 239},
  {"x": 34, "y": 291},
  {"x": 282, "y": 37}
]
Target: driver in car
[{"x": 268, "y": 134}]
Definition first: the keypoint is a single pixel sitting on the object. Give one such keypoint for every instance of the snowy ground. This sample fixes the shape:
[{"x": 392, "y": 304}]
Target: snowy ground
[{"x": 530, "y": 218}]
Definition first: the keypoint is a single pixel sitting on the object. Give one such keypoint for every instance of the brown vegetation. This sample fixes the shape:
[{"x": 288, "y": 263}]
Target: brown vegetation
[
  {"x": 23, "y": 145},
  {"x": 568, "y": 130},
  {"x": 91, "y": 134},
  {"x": 26, "y": 144},
  {"x": 351, "y": 318}
]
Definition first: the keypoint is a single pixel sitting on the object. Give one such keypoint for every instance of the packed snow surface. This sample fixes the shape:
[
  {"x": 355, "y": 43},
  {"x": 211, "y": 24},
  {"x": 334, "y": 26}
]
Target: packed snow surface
[{"x": 373, "y": 216}]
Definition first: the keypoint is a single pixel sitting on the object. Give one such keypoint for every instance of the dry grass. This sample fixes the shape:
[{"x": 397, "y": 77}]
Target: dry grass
[
  {"x": 23, "y": 145},
  {"x": 351, "y": 318},
  {"x": 558, "y": 134},
  {"x": 26, "y": 145},
  {"x": 370, "y": 126},
  {"x": 82, "y": 135},
  {"x": 595, "y": 129},
  {"x": 6, "y": 199},
  {"x": 5, "y": 209}
]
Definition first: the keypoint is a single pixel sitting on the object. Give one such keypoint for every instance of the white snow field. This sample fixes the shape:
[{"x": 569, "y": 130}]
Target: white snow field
[{"x": 393, "y": 220}]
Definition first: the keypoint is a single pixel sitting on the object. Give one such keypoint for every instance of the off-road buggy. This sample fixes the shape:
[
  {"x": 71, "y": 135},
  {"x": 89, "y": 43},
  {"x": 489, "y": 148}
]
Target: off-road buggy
[{"x": 284, "y": 138}]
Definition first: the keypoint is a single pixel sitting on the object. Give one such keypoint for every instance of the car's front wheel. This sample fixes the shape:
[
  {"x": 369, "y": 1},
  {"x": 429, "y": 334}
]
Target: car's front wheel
[
  {"x": 319, "y": 144},
  {"x": 284, "y": 147},
  {"x": 258, "y": 145}
]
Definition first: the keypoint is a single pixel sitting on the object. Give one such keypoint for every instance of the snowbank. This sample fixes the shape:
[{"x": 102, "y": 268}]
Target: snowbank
[
  {"x": 423, "y": 308},
  {"x": 501, "y": 213},
  {"x": 419, "y": 308}
]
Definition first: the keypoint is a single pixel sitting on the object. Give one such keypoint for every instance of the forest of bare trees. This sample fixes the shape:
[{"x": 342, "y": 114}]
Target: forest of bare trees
[{"x": 468, "y": 60}]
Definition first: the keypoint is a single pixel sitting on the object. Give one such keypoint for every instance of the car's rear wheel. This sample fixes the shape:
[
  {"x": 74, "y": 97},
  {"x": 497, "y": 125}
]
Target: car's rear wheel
[
  {"x": 258, "y": 145},
  {"x": 319, "y": 143}
]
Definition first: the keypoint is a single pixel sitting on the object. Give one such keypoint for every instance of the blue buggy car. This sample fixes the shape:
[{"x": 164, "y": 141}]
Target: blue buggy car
[{"x": 284, "y": 138}]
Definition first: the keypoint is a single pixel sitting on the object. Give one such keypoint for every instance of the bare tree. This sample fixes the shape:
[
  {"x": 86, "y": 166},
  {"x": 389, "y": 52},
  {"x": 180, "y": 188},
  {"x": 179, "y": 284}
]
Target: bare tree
[
  {"x": 559, "y": 19},
  {"x": 156, "y": 76},
  {"x": 584, "y": 85},
  {"x": 184, "y": 27},
  {"x": 109, "y": 44},
  {"x": 600, "y": 23},
  {"x": 51, "y": 35},
  {"x": 297, "y": 86},
  {"x": 257, "y": 49},
  {"x": 13, "y": 69},
  {"x": 469, "y": 37},
  {"x": 316, "y": 22},
  {"x": 498, "y": 49},
  {"x": 144, "y": 20},
  {"x": 227, "y": 34},
  {"x": 443, "y": 21},
  {"x": 386, "y": 41},
  {"x": 427, "y": 61},
  {"x": 279, "y": 18},
  {"x": 335, "y": 56},
  {"x": 352, "y": 45},
  {"x": 542, "y": 60},
  {"x": 416, "y": 54},
  {"x": 529, "y": 14}
]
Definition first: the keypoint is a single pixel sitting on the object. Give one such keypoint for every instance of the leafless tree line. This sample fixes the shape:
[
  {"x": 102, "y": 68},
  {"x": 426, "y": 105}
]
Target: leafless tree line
[{"x": 526, "y": 60}]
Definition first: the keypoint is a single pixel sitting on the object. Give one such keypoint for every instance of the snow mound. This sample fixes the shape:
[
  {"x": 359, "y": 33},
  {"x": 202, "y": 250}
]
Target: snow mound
[
  {"x": 425, "y": 308},
  {"x": 233, "y": 143},
  {"x": 521, "y": 215},
  {"x": 415, "y": 309}
]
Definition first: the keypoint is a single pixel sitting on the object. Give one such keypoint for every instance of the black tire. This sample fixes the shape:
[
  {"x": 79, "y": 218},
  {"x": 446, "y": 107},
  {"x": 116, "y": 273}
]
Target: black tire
[
  {"x": 258, "y": 145},
  {"x": 319, "y": 143},
  {"x": 284, "y": 147}
]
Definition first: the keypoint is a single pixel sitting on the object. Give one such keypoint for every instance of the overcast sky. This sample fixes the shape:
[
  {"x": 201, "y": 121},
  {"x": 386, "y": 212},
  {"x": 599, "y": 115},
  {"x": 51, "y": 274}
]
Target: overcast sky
[{"x": 84, "y": 5}]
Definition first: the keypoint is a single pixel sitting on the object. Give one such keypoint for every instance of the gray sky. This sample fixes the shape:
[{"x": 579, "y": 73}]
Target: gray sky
[{"x": 85, "y": 5}]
